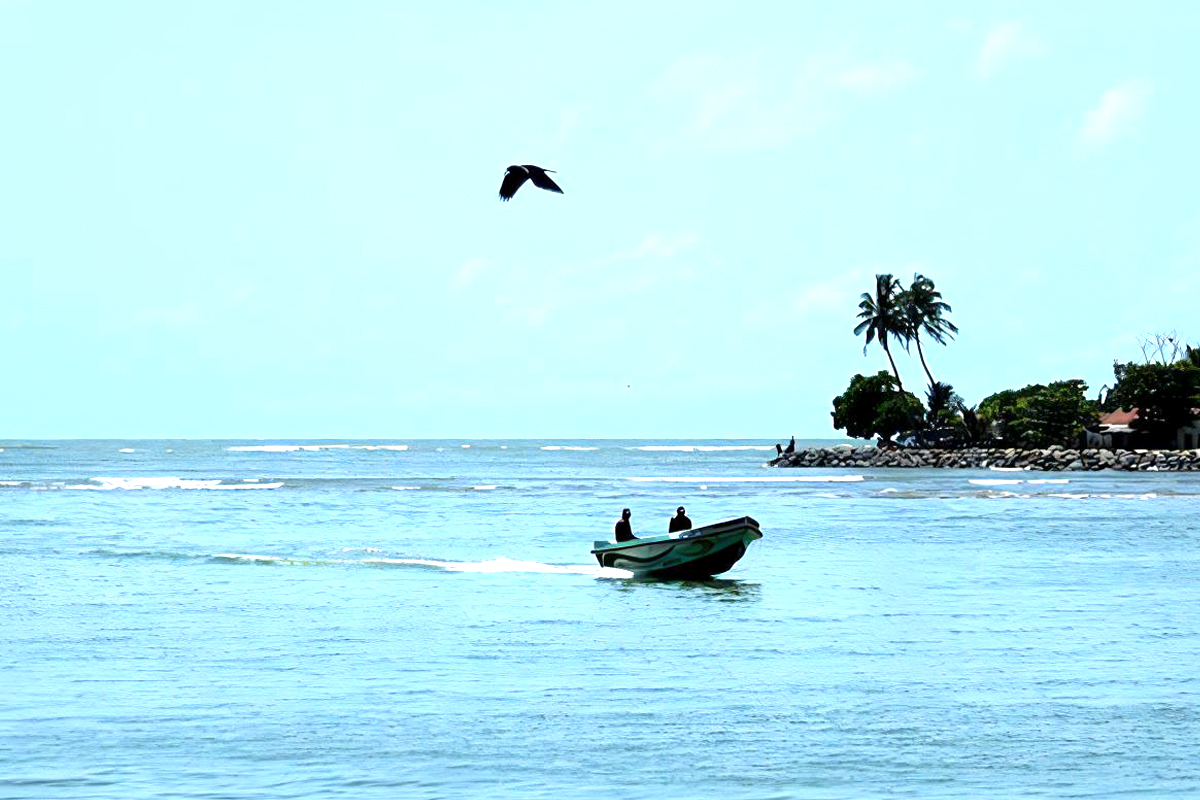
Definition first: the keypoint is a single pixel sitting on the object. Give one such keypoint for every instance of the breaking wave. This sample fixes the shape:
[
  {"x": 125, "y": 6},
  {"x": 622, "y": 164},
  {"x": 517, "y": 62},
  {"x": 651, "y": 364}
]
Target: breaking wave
[
  {"x": 719, "y": 479},
  {"x": 700, "y": 448},
  {"x": 311, "y": 448},
  {"x": 128, "y": 484}
]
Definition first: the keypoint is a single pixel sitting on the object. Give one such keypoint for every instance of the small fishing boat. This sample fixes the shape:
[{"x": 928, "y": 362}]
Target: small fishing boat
[{"x": 687, "y": 555}]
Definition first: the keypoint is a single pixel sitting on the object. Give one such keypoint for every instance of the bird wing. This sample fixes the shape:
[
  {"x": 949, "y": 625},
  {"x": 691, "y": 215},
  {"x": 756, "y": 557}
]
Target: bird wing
[
  {"x": 543, "y": 181},
  {"x": 512, "y": 181}
]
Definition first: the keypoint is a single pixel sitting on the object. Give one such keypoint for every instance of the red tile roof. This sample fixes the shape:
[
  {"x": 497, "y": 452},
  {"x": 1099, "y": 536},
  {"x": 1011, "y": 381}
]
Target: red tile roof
[{"x": 1119, "y": 417}]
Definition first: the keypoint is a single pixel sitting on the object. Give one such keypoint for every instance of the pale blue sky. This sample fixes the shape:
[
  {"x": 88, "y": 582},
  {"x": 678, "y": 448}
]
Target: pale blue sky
[{"x": 279, "y": 219}]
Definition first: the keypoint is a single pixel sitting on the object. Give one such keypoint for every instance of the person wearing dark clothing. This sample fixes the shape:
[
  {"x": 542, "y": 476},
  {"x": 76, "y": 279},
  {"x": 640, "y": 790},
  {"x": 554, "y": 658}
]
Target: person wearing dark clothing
[
  {"x": 791, "y": 448},
  {"x": 622, "y": 529},
  {"x": 778, "y": 449},
  {"x": 679, "y": 522}
]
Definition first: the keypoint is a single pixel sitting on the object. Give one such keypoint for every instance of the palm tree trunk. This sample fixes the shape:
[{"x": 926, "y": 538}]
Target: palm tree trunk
[
  {"x": 921, "y": 353},
  {"x": 891, "y": 361}
]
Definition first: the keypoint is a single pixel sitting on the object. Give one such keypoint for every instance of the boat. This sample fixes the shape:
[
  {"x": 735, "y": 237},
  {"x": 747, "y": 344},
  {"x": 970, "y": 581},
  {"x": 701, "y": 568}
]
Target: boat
[{"x": 695, "y": 554}]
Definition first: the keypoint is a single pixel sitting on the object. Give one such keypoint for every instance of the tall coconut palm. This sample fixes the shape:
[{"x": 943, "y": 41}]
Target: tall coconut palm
[
  {"x": 882, "y": 316},
  {"x": 923, "y": 311}
]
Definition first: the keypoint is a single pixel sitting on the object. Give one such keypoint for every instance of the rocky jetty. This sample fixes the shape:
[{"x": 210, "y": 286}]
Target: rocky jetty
[{"x": 1050, "y": 459}]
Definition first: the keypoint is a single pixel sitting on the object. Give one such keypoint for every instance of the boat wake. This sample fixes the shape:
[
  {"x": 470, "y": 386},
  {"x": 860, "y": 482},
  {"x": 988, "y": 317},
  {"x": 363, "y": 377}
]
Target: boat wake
[{"x": 494, "y": 565}]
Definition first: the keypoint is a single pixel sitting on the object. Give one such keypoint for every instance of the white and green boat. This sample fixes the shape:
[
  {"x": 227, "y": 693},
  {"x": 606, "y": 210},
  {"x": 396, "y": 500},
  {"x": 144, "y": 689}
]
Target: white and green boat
[{"x": 687, "y": 555}]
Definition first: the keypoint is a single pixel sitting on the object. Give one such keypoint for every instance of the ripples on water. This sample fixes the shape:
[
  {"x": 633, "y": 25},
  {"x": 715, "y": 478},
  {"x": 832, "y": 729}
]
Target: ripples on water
[{"x": 421, "y": 619}]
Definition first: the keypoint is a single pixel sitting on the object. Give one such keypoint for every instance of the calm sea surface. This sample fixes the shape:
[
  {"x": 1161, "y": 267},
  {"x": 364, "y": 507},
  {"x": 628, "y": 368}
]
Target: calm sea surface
[{"x": 239, "y": 619}]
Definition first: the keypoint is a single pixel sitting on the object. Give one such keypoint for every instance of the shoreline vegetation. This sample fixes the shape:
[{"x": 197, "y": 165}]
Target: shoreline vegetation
[
  {"x": 1055, "y": 458},
  {"x": 1147, "y": 420}
]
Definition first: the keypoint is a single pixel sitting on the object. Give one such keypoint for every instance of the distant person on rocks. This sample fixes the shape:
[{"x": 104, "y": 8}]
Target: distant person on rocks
[
  {"x": 679, "y": 522},
  {"x": 791, "y": 448},
  {"x": 778, "y": 449},
  {"x": 622, "y": 529}
]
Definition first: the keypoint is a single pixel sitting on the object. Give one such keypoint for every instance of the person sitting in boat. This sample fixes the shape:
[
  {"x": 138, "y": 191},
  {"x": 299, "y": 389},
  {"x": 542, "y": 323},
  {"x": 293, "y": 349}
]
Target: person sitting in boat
[
  {"x": 679, "y": 522},
  {"x": 623, "y": 530}
]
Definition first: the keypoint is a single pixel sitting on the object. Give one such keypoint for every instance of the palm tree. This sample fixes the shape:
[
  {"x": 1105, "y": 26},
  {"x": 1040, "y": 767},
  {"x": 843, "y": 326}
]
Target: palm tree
[
  {"x": 941, "y": 397},
  {"x": 923, "y": 309},
  {"x": 883, "y": 316}
]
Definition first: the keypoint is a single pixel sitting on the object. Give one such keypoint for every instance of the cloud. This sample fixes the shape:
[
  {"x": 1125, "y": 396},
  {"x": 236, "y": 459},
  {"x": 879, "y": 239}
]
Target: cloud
[
  {"x": 1006, "y": 42},
  {"x": 1118, "y": 109},
  {"x": 755, "y": 102},
  {"x": 655, "y": 245},
  {"x": 875, "y": 77},
  {"x": 533, "y": 297},
  {"x": 466, "y": 274}
]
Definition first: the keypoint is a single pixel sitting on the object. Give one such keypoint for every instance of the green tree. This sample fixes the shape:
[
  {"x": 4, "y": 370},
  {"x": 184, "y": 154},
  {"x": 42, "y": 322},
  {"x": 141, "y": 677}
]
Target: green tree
[
  {"x": 978, "y": 428},
  {"x": 943, "y": 404},
  {"x": 1165, "y": 395},
  {"x": 1039, "y": 416},
  {"x": 924, "y": 313},
  {"x": 883, "y": 317},
  {"x": 874, "y": 406}
]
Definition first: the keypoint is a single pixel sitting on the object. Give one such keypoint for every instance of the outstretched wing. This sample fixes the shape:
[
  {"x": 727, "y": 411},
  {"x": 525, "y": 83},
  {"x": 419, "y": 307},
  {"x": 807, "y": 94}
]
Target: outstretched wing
[
  {"x": 513, "y": 178},
  {"x": 543, "y": 181}
]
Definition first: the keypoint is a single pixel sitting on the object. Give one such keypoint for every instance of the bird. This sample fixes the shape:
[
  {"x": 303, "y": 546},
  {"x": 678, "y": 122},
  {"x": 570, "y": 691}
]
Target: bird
[{"x": 517, "y": 174}]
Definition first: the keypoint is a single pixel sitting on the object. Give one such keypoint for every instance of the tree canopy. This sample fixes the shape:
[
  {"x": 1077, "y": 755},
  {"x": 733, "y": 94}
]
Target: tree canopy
[
  {"x": 874, "y": 406},
  {"x": 1165, "y": 395},
  {"x": 1040, "y": 416}
]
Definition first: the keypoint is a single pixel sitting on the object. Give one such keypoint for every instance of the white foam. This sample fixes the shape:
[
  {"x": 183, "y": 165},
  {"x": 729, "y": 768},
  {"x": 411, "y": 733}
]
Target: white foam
[
  {"x": 567, "y": 447},
  {"x": 699, "y": 448},
  {"x": 1006, "y": 481},
  {"x": 502, "y": 564},
  {"x": 406, "y": 488},
  {"x": 771, "y": 479},
  {"x": 103, "y": 484},
  {"x": 1106, "y": 496},
  {"x": 464, "y": 446},
  {"x": 1008, "y": 469},
  {"x": 246, "y": 557},
  {"x": 126, "y": 450},
  {"x": 888, "y": 490},
  {"x": 10, "y": 483},
  {"x": 310, "y": 448}
]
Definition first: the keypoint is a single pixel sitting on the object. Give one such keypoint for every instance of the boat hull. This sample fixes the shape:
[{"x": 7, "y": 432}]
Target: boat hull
[{"x": 688, "y": 555}]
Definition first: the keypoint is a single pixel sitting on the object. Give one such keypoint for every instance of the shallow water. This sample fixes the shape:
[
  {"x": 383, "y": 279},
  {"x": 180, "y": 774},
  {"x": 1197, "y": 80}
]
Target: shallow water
[{"x": 191, "y": 619}]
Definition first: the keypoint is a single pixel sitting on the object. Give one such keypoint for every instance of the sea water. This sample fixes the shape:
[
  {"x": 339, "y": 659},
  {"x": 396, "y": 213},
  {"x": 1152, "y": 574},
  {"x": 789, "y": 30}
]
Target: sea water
[{"x": 393, "y": 619}]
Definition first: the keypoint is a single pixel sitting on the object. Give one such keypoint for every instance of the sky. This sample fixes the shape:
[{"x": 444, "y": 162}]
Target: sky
[{"x": 279, "y": 219}]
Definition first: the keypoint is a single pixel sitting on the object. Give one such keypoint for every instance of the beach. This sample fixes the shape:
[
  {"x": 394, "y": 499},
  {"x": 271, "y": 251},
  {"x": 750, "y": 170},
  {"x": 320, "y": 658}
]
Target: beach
[{"x": 421, "y": 618}]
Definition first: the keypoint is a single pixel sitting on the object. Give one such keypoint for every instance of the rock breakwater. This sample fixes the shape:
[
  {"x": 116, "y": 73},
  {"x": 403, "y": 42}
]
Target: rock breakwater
[{"x": 1050, "y": 459}]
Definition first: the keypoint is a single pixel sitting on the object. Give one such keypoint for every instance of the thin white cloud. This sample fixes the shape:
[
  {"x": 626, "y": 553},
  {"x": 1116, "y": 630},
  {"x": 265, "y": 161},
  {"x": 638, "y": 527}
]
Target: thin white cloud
[
  {"x": 1005, "y": 43},
  {"x": 655, "y": 245},
  {"x": 535, "y": 297},
  {"x": 877, "y": 77},
  {"x": 1117, "y": 111},
  {"x": 754, "y": 102},
  {"x": 466, "y": 274}
]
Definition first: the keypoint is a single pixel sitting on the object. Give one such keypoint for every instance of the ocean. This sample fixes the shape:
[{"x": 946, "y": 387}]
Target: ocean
[{"x": 422, "y": 619}]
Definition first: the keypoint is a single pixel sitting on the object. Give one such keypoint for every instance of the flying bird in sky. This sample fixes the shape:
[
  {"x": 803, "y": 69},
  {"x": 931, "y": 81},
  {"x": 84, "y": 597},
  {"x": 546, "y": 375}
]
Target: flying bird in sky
[{"x": 517, "y": 174}]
